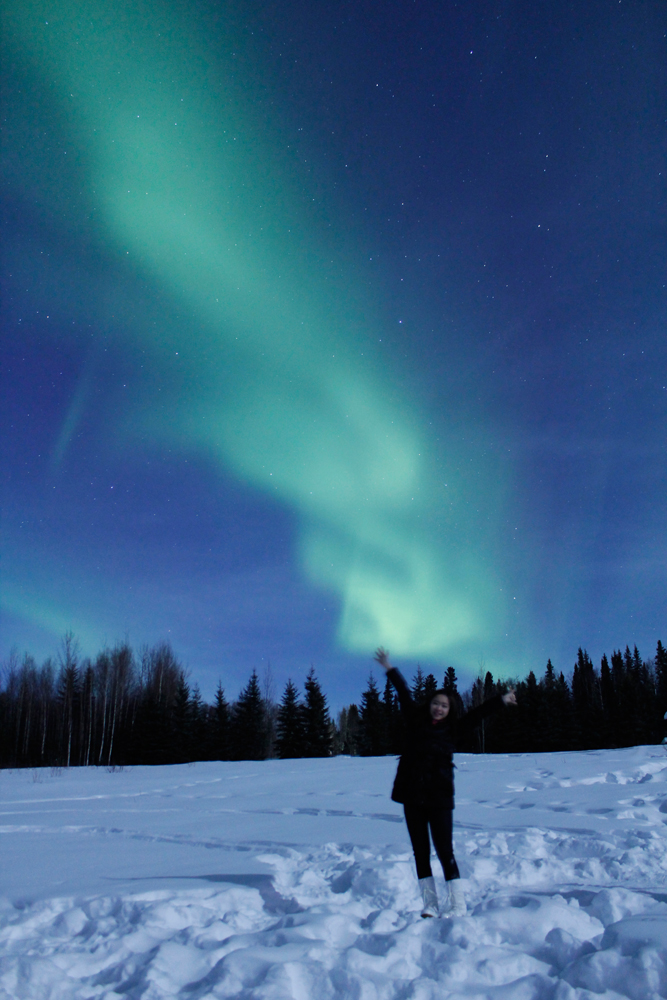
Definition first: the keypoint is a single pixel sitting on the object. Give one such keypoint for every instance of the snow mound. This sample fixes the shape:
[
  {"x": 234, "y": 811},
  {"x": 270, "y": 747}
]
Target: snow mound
[{"x": 346, "y": 929}]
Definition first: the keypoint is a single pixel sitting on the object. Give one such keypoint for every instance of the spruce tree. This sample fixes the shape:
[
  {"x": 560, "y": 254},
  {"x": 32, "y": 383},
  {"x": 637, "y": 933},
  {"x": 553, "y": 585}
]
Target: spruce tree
[
  {"x": 533, "y": 732},
  {"x": 645, "y": 728},
  {"x": 451, "y": 688},
  {"x": 418, "y": 686},
  {"x": 270, "y": 711},
  {"x": 181, "y": 723},
  {"x": 476, "y": 696},
  {"x": 430, "y": 687},
  {"x": 247, "y": 730},
  {"x": 619, "y": 721},
  {"x": 552, "y": 736},
  {"x": 317, "y": 728},
  {"x": 609, "y": 703},
  {"x": 290, "y": 741},
  {"x": 450, "y": 683},
  {"x": 565, "y": 725},
  {"x": 587, "y": 702},
  {"x": 661, "y": 684},
  {"x": 199, "y": 722},
  {"x": 630, "y": 722},
  {"x": 220, "y": 726},
  {"x": 373, "y": 720}
]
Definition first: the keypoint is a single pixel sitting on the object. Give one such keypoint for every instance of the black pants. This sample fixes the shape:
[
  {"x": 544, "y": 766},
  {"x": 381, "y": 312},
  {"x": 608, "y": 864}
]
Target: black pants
[{"x": 418, "y": 819}]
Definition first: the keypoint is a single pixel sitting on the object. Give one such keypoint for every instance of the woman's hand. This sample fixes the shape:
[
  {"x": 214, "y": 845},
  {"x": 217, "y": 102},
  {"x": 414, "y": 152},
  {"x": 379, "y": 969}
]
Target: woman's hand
[
  {"x": 509, "y": 698},
  {"x": 382, "y": 657}
]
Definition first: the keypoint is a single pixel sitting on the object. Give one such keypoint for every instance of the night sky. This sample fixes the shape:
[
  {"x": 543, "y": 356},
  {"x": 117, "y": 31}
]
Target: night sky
[{"x": 332, "y": 325}]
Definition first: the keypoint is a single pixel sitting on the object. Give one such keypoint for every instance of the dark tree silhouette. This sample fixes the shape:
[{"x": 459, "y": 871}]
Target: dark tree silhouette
[
  {"x": 374, "y": 740},
  {"x": 220, "y": 726},
  {"x": 181, "y": 722},
  {"x": 609, "y": 703},
  {"x": 661, "y": 684},
  {"x": 430, "y": 687},
  {"x": 114, "y": 711},
  {"x": 419, "y": 686},
  {"x": 160, "y": 676},
  {"x": 248, "y": 729},
  {"x": 450, "y": 684},
  {"x": 317, "y": 728},
  {"x": 587, "y": 702},
  {"x": 290, "y": 738}
]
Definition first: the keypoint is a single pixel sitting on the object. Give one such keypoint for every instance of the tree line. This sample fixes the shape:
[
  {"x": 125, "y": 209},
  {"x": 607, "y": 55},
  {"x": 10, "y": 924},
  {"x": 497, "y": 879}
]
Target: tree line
[{"x": 123, "y": 709}]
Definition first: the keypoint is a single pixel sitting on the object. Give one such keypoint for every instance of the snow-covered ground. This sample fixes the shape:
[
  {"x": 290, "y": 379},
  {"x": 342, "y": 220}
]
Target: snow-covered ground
[{"x": 294, "y": 879}]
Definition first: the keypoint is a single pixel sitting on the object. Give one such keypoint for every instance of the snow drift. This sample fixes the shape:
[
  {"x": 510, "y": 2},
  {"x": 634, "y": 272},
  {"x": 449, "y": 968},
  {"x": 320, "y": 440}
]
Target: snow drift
[{"x": 294, "y": 879}]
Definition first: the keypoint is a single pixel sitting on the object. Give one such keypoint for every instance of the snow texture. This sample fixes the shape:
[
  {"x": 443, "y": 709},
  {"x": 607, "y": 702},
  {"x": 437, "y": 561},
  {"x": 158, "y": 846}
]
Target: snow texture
[{"x": 294, "y": 879}]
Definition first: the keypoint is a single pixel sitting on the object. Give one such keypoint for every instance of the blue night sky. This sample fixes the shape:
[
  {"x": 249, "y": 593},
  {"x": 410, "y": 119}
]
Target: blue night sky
[{"x": 333, "y": 325}]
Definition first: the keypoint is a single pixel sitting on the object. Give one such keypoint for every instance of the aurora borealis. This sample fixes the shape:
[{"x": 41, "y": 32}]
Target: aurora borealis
[{"x": 297, "y": 367}]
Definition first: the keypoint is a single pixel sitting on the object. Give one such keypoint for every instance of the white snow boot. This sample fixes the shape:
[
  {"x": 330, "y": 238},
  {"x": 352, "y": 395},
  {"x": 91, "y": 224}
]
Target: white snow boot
[
  {"x": 429, "y": 896},
  {"x": 456, "y": 906}
]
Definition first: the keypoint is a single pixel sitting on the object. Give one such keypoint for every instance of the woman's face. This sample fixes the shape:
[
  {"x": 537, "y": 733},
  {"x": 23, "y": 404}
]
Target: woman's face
[{"x": 439, "y": 707}]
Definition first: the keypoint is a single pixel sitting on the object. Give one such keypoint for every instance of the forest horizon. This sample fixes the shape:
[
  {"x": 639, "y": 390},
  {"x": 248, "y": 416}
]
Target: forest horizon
[{"x": 125, "y": 709}]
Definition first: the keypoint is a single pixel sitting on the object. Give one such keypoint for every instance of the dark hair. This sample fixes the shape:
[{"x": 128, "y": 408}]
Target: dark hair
[{"x": 454, "y": 706}]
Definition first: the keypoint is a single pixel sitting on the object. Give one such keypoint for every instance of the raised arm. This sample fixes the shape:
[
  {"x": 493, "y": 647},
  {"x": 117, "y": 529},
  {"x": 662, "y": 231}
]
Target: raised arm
[
  {"x": 476, "y": 715},
  {"x": 397, "y": 679},
  {"x": 382, "y": 657}
]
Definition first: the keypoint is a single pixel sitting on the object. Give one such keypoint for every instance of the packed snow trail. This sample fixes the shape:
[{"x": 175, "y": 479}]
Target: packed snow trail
[{"x": 294, "y": 879}]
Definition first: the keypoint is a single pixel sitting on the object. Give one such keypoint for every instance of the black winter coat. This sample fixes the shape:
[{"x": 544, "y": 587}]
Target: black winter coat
[{"x": 425, "y": 773}]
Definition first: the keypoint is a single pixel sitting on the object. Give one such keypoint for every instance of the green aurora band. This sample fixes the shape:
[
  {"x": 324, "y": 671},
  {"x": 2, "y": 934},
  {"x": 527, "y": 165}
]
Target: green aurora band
[{"x": 278, "y": 382}]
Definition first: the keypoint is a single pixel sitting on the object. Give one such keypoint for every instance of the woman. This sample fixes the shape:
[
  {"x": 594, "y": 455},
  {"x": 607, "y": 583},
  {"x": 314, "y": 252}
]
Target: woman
[{"x": 424, "y": 783}]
